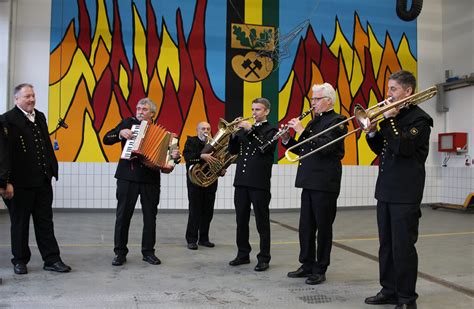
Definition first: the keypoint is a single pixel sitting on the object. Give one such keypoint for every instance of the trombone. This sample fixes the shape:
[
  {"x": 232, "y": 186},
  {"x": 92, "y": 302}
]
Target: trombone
[{"x": 363, "y": 116}]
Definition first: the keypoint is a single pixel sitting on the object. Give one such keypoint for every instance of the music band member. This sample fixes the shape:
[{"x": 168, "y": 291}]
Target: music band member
[
  {"x": 201, "y": 199},
  {"x": 319, "y": 175},
  {"x": 135, "y": 179},
  {"x": 31, "y": 164},
  {"x": 3, "y": 158},
  {"x": 252, "y": 183},
  {"x": 402, "y": 144}
]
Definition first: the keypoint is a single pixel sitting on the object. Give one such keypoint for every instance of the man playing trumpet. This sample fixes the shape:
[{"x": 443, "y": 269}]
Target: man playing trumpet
[
  {"x": 402, "y": 144},
  {"x": 319, "y": 175},
  {"x": 252, "y": 183}
]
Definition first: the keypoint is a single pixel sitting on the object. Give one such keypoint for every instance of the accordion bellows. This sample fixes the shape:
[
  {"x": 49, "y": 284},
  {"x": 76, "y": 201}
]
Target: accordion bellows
[{"x": 152, "y": 145}]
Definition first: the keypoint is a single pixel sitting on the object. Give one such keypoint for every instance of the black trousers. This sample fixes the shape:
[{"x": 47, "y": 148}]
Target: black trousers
[
  {"x": 318, "y": 211},
  {"x": 127, "y": 196},
  {"x": 37, "y": 203},
  {"x": 201, "y": 210},
  {"x": 260, "y": 199},
  {"x": 398, "y": 259}
]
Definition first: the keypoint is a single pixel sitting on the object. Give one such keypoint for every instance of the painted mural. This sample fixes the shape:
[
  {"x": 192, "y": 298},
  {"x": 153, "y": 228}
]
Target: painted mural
[{"x": 208, "y": 59}]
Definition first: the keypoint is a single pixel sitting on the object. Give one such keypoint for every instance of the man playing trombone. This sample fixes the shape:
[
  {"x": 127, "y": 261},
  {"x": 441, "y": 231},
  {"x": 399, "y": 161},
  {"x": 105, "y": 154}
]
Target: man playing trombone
[
  {"x": 319, "y": 175},
  {"x": 402, "y": 144}
]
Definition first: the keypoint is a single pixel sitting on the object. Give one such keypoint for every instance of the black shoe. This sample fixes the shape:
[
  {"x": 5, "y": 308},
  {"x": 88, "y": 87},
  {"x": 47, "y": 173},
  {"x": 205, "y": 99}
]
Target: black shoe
[
  {"x": 59, "y": 267},
  {"x": 152, "y": 259},
  {"x": 20, "y": 269},
  {"x": 381, "y": 299},
  {"x": 406, "y": 306},
  {"x": 299, "y": 273},
  {"x": 119, "y": 260},
  {"x": 261, "y": 266},
  {"x": 239, "y": 261},
  {"x": 316, "y": 279},
  {"x": 192, "y": 246},
  {"x": 207, "y": 244}
]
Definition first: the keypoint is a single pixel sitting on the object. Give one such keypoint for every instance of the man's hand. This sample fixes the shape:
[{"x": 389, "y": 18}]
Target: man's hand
[
  {"x": 209, "y": 158},
  {"x": 391, "y": 112},
  {"x": 126, "y": 133},
  {"x": 223, "y": 171},
  {"x": 296, "y": 125},
  {"x": 244, "y": 125},
  {"x": 369, "y": 127},
  {"x": 8, "y": 192}
]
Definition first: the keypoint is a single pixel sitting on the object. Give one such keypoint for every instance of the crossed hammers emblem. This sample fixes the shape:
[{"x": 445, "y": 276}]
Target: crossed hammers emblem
[{"x": 252, "y": 66}]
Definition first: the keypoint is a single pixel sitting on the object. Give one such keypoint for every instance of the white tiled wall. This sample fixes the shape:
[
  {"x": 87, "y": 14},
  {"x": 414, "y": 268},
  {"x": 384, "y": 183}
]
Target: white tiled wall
[{"x": 92, "y": 185}]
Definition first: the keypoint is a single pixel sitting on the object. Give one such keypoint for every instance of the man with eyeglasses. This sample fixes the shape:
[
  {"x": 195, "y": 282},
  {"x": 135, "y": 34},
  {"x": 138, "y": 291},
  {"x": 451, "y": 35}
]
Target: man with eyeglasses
[
  {"x": 402, "y": 144},
  {"x": 319, "y": 175}
]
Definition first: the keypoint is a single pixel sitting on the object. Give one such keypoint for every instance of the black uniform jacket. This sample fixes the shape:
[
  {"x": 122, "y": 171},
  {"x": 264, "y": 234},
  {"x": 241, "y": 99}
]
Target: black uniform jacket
[
  {"x": 321, "y": 171},
  {"x": 192, "y": 155},
  {"x": 402, "y": 144},
  {"x": 29, "y": 165},
  {"x": 4, "y": 158},
  {"x": 254, "y": 168},
  {"x": 132, "y": 170}
]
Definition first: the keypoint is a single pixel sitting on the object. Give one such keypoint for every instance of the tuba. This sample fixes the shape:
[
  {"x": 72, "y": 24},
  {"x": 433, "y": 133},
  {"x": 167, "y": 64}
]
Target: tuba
[{"x": 205, "y": 174}]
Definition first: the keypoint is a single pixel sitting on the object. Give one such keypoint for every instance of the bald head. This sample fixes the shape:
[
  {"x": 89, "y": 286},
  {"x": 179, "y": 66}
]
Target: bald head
[{"x": 203, "y": 130}]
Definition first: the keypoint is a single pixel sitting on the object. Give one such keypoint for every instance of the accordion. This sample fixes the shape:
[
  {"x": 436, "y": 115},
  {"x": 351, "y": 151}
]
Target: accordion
[{"x": 152, "y": 144}]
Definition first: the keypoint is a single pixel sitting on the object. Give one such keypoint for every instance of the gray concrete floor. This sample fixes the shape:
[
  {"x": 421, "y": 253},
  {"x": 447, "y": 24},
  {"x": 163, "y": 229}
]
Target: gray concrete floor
[{"x": 203, "y": 278}]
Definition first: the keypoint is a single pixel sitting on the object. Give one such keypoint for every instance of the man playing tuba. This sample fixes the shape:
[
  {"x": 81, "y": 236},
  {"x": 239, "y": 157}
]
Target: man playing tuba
[{"x": 201, "y": 198}]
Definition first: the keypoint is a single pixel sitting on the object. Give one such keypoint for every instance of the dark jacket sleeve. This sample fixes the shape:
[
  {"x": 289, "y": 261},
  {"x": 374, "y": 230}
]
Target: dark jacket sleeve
[
  {"x": 4, "y": 155},
  {"x": 113, "y": 136},
  {"x": 192, "y": 152}
]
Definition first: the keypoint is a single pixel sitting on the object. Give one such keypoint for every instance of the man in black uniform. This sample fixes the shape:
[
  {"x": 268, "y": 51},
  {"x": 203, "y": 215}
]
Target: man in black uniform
[
  {"x": 320, "y": 177},
  {"x": 402, "y": 142},
  {"x": 134, "y": 179},
  {"x": 252, "y": 183},
  {"x": 3, "y": 157},
  {"x": 201, "y": 199},
  {"x": 31, "y": 166}
]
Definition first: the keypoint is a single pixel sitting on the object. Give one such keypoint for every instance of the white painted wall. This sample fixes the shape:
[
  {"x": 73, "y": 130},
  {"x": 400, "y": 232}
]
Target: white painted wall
[
  {"x": 445, "y": 41},
  {"x": 5, "y": 7}
]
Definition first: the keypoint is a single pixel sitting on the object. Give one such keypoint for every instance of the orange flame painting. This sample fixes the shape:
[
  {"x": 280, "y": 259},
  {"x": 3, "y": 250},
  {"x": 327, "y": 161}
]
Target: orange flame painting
[{"x": 108, "y": 54}]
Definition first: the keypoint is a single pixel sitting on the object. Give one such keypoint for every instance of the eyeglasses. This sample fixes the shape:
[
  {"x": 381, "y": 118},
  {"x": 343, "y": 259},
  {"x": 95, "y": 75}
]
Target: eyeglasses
[{"x": 318, "y": 98}]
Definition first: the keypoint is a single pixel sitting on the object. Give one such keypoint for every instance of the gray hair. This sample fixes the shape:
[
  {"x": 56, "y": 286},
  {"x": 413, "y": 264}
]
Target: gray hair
[
  {"x": 150, "y": 103},
  {"x": 405, "y": 79},
  {"x": 328, "y": 91},
  {"x": 21, "y": 86}
]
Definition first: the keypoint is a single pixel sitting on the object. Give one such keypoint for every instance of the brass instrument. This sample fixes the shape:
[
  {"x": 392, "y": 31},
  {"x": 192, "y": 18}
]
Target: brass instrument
[
  {"x": 364, "y": 116},
  {"x": 282, "y": 131},
  {"x": 205, "y": 174}
]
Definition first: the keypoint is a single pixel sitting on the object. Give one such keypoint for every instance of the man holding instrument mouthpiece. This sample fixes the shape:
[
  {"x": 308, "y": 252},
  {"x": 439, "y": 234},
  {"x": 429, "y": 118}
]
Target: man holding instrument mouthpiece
[
  {"x": 252, "y": 183},
  {"x": 134, "y": 179},
  {"x": 402, "y": 144},
  {"x": 319, "y": 175},
  {"x": 201, "y": 199}
]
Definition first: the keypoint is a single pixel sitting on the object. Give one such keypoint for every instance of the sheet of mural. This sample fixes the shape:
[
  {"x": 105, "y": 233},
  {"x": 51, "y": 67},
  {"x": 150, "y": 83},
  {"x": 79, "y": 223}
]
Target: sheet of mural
[{"x": 208, "y": 59}]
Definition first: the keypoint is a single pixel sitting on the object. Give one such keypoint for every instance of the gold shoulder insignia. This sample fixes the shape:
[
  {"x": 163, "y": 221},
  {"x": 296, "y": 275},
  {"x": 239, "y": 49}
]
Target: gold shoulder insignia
[{"x": 414, "y": 131}]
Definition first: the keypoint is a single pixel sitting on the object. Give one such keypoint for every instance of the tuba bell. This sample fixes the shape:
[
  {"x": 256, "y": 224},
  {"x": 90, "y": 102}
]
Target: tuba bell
[{"x": 205, "y": 174}]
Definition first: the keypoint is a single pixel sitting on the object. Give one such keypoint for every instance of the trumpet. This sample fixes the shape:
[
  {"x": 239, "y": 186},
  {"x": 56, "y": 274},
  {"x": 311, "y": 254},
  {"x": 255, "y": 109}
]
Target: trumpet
[
  {"x": 282, "y": 131},
  {"x": 363, "y": 116}
]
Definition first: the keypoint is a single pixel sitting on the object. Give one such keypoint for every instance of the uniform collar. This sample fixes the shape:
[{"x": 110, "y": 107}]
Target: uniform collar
[{"x": 257, "y": 124}]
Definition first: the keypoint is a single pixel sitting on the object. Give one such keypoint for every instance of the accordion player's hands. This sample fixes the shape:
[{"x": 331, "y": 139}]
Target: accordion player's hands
[{"x": 126, "y": 133}]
